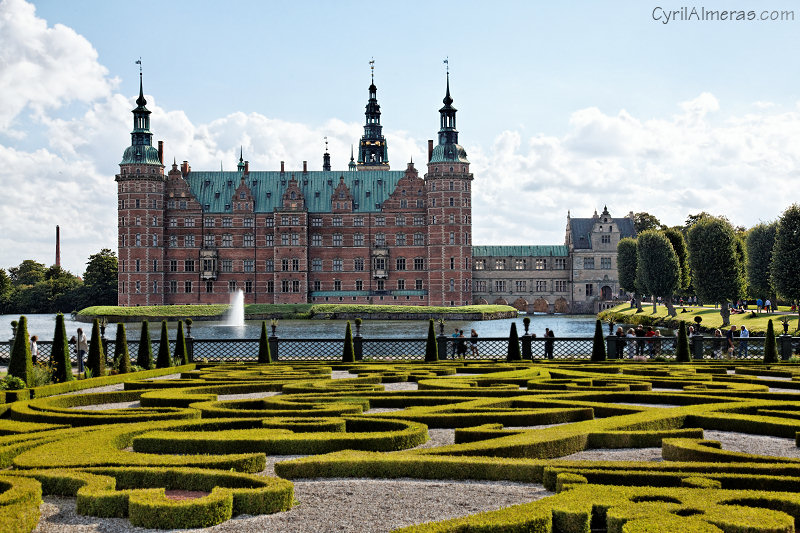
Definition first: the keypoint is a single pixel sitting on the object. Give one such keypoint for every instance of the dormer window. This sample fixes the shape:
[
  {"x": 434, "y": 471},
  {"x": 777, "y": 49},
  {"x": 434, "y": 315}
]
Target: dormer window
[
  {"x": 230, "y": 182},
  {"x": 242, "y": 195},
  {"x": 216, "y": 194},
  {"x": 207, "y": 183},
  {"x": 292, "y": 195}
]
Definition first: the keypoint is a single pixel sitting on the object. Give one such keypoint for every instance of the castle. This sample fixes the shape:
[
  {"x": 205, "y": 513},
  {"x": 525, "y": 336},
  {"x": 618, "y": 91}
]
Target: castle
[{"x": 366, "y": 235}]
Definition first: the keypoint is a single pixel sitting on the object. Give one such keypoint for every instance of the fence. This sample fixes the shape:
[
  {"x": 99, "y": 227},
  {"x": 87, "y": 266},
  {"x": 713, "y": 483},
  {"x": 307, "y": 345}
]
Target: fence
[{"x": 493, "y": 348}]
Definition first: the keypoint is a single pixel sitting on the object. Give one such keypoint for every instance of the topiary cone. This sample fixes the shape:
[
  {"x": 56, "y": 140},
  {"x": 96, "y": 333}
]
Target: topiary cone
[
  {"x": 431, "y": 348},
  {"x": 96, "y": 360},
  {"x": 20, "y": 364},
  {"x": 163, "y": 360},
  {"x": 682, "y": 352},
  {"x": 513, "y": 344},
  {"x": 348, "y": 353},
  {"x": 264, "y": 355},
  {"x": 144, "y": 357},
  {"x": 59, "y": 355},
  {"x": 181, "y": 354},
  {"x": 770, "y": 348},
  {"x": 598, "y": 343},
  {"x": 122, "y": 359}
]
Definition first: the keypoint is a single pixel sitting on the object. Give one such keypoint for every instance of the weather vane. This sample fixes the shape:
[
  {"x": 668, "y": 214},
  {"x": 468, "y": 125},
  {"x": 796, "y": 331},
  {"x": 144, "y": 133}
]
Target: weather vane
[
  {"x": 447, "y": 64},
  {"x": 372, "y": 69},
  {"x": 326, "y": 144},
  {"x": 139, "y": 62}
]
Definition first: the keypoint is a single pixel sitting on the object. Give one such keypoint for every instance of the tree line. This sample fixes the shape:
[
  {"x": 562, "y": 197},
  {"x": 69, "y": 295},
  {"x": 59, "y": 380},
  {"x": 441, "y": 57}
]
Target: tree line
[
  {"x": 32, "y": 287},
  {"x": 711, "y": 259}
]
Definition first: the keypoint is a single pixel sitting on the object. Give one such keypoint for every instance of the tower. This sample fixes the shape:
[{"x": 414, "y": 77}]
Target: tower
[
  {"x": 326, "y": 158},
  {"x": 372, "y": 151},
  {"x": 449, "y": 214},
  {"x": 58, "y": 246},
  {"x": 140, "y": 193}
]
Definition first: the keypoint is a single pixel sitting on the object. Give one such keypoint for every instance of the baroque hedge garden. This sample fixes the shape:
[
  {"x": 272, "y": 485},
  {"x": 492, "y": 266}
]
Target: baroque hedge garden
[{"x": 212, "y": 430}]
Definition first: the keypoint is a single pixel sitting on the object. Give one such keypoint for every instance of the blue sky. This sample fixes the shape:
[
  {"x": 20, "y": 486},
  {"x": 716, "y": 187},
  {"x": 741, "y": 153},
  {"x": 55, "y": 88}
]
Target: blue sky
[{"x": 562, "y": 105}]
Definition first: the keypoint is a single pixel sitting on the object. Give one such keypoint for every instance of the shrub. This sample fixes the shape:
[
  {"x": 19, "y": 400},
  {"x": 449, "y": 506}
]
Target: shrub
[
  {"x": 770, "y": 348},
  {"x": 144, "y": 357},
  {"x": 682, "y": 353},
  {"x": 598, "y": 343},
  {"x": 96, "y": 360},
  {"x": 431, "y": 349},
  {"x": 348, "y": 354},
  {"x": 181, "y": 355},
  {"x": 59, "y": 355},
  {"x": 122, "y": 359},
  {"x": 20, "y": 364},
  {"x": 163, "y": 360},
  {"x": 264, "y": 355},
  {"x": 513, "y": 345},
  {"x": 12, "y": 383}
]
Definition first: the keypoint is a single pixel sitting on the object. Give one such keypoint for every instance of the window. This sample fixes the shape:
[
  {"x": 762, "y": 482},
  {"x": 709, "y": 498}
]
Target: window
[
  {"x": 379, "y": 263},
  {"x": 188, "y": 265},
  {"x": 420, "y": 203},
  {"x": 541, "y": 285},
  {"x": 232, "y": 286},
  {"x": 337, "y": 221},
  {"x": 337, "y": 265},
  {"x": 452, "y": 186},
  {"x": 400, "y": 239},
  {"x": 499, "y": 264},
  {"x": 316, "y": 240},
  {"x": 269, "y": 265},
  {"x": 172, "y": 287},
  {"x": 452, "y": 237},
  {"x": 479, "y": 286},
  {"x": 452, "y": 284},
  {"x": 295, "y": 265},
  {"x": 605, "y": 239},
  {"x": 173, "y": 266},
  {"x": 401, "y": 284},
  {"x": 500, "y": 286},
  {"x": 316, "y": 265},
  {"x": 188, "y": 241},
  {"x": 400, "y": 263},
  {"x": 401, "y": 220},
  {"x": 155, "y": 265},
  {"x": 284, "y": 265},
  {"x": 173, "y": 240},
  {"x": 187, "y": 287},
  {"x": 317, "y": 285},
  {"x": 419, "y": 263},
  {"x": 269, "y": 239},
  {"x": 605, "y": 262},
  {"x": 358, "y": 221},
  {"x": 227, "y": 240},
  {"x": 561, "y": 263},
  {"x": 208, "y": 222},
  {"x": 270, "y": 222},
  {"x": 295, "y": 220},
  {"x": 227, "y": 222},
  {"x": 359, "y": 285},
  {"x": 589, "y": 289},
  {"x": 122, "y": 240},
  {"x": 519, "y": 264},
  {"x": 588, "y": 263},
  {"x": 155, "y": 240},
  {"x": 249, "y": 239},
  {"x": 561, "y": 285},
  {"x": 227, "y": 265},
  {"x": 155, "y": 287},
  {"x": 138, "y": 265},
  {"x": 284, "y": 220},
  {"x": 248, "y": 265},
  {"x": 337, "y": 284},
  {"x": 337, "y": 239},
  {"x": 358, "y": 239},
  {"x": 209, "y": 286},
  {"x": 419, "y": 239},
  {"x": 208, "y": 265},
  {"x": 480, "y": 264},
  {"x": 418, "y": 284},
  {"x": 296, "y": 285},
  {"x": 285, "y": 285},
  {"x": 248, "y": 286},
  {"x": 173, "y": 223},
  {"x": 295, "y": 239},
  {"x": 380, "y": 220},
  {"x": 248, "y": 222},
  {"x": 419, "y": 220},
  {"x": 358, "y": 264},
  {"x": 380, "y": 285},
  {"x": 138, "y": 283},
  {"x": 285, "y": 239},
  {"x": 270, "y": 286},
  {"x": 452, "y": 263},
  {"x": 380, "y": 239}
]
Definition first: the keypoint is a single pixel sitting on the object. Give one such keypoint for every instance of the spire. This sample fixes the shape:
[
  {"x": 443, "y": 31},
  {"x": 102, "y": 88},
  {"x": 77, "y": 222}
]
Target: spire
[
  {"x": 141, "y": 102},
  {"x": 447, "y": 99},
  {"x": 326, "y": 157},
  {"x": 240, "y": 166},
  {"x": 448, "y": 149},
  {"x": 141, "y": 149},
  {"x": 352, "y": 165},
  {"x": 372, "y": 151}
]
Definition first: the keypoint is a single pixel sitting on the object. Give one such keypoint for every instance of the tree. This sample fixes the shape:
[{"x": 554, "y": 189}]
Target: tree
[
  {"x": 786, "y": 257},
  {"x": 59, "y": 353},
  {"x": 144, "y": 357},
  {"x": 181, "y": 354},
  {"x": 431, "y": 348},
  {"x": 96, "y": 360},
  {"x": 770, "y": 348},
  {"x": 645, "y": 221},
  {"x": 759, "y": 242},
  {"x": 264, "y": 355},
  {"x": 348, "y": 353},
  {"x": 658, "y": 270},
  {"x": 716, "y": 263},
  {"x": 29, "y": 272},
  {"x": 598, "y": 343},
  {"x": 163, "y": 360},
  {"x": 122, "y": 358},
  {"x": 678, "y": 243},
  {"x": 691, "y": 220},
  {"x": 626, "y": 268},
  {"x": 100, "y": 278},
  {"x": 20, "y": 364},
  {"x": 682, "y": 353},
  {"x": 513, "y": 344}
]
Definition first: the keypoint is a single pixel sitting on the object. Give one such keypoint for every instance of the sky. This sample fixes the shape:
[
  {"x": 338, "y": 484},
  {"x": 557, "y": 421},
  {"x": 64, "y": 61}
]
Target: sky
[{"x": 563, "y": 106}]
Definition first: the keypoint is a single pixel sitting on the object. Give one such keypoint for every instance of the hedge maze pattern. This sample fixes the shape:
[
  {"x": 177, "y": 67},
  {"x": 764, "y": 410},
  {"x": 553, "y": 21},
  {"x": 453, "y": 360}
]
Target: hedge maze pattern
[{"x": 512, "y": 422}]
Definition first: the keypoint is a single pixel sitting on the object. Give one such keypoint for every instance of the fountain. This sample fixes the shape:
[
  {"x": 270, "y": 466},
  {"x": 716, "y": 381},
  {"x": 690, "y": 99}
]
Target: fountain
[{"x": 235, "y": 315}]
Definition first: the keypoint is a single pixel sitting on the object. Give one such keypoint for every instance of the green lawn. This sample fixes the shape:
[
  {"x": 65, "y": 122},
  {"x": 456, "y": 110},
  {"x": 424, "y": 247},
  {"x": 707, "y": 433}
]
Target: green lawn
[{"x": 711, "y": 318}]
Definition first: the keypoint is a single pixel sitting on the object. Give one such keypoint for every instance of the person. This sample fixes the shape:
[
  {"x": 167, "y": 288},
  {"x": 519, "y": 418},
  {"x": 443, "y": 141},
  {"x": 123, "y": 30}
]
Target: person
[
  {"x": 455, "y": 343},
  {"x": 768, "y": 306},
  {"x": 759, "y": 304},
  {"x": 657, "y": 342},
  {"x": 690, "y": 331},
  {"x": 744, "y": 334},
  {"x": 620, "y": 342},
  {"x": 730, "y": 335},
  {"x": 461, "y": 348},
  {"x": 82, "y": 347},
  {"x": 34, "y": 348},
  {"x": 548, "y": 343},
  {"x": 716, "y": 344},
  {"x": 473, "y": 335},
  {"x": 649, "y": 333},
  {"x": 640, "y": 340},
  {"x": 633, "y": 302},
  {"x": 631, "y": 342}
]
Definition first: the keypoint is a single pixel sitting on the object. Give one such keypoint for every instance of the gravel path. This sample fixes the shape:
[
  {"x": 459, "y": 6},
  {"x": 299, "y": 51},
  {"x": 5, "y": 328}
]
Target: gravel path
[
  {"x": 107, "y": 406},
  {"x": 619, "y": 454},
  {"x": 107, "y": 388},
  {"x": 249, "y": 396},
  {"x": 758, "y": 444},
  {"x": 401, "y": 386},
  {"x": 342, "y": 505}
]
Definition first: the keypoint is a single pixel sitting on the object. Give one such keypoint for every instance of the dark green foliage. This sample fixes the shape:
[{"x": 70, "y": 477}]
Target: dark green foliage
[
  {"x": 785, "y": 271},
  {"x": 181, "y": 354},
  {"x": 122, "y": 359},
  {"x": 431, "y": 349},
  {"x": 348, "y": 353},
  {"x": 598, "y": 343},
  {"x": 626, "y": 264},
  {"x": 144, "y": 357},
  {"x": 645, "y": 221},
  {"x": 657, "y": 267},
  {"x": 100, "y": 278},
  {"x": 678, "y": 243},
  {"x": 59, "y": 356},
  {"x": 20, "y": 364},
  {"x": 264, "y": 355},
  {"x": 163, "y": 360},
  {"x": 770, "y": 348},
  {"x": 759, "y": 242},
  {"x": 96, "y": 360},
  {"x": 682, "y": 353},
  {"x": 513, "y": 345}
]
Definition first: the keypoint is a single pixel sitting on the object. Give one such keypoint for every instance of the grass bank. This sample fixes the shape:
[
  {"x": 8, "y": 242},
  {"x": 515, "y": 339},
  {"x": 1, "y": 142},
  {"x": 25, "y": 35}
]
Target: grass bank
[{"x": 757, "y": 324}]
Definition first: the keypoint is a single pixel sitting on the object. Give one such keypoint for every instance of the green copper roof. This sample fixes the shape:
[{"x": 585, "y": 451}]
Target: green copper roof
[
  {"x": 140, "y": 154},
  {"x": 520, "y": 251},
  {"x": 449, "y": 153},
  {"x": 370, "y": 188}
]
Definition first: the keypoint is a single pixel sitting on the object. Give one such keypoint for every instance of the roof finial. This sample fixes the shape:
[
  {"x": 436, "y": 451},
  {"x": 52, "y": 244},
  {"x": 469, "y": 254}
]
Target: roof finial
[
  {"x": 372, "y": 70},
  {"x": 447, "y": 65},
  {"x": 351, "y": 152},
  {"x": 447, "y": 99},
  {"x": 326, "y": 144},
  {"x": 140, "y": 101},
  {"x": 241, "y": 153}
]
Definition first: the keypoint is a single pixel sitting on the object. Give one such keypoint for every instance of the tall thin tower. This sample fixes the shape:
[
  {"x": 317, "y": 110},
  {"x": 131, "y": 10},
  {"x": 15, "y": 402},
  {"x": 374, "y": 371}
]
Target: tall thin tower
[{"x": 58, "y": 246}]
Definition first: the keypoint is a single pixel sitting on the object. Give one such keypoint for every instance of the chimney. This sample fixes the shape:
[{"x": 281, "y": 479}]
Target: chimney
[
  {"x": 305, "y": 167},
  {"x": 430, "y": 150},
  {"x": 184, "y": 168},
  {"x": 282, "y": 170},
  {"x": 247, "y": 167},
  {"x": 161, "y": 152},
  {"x": 58, "y": 246}
]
